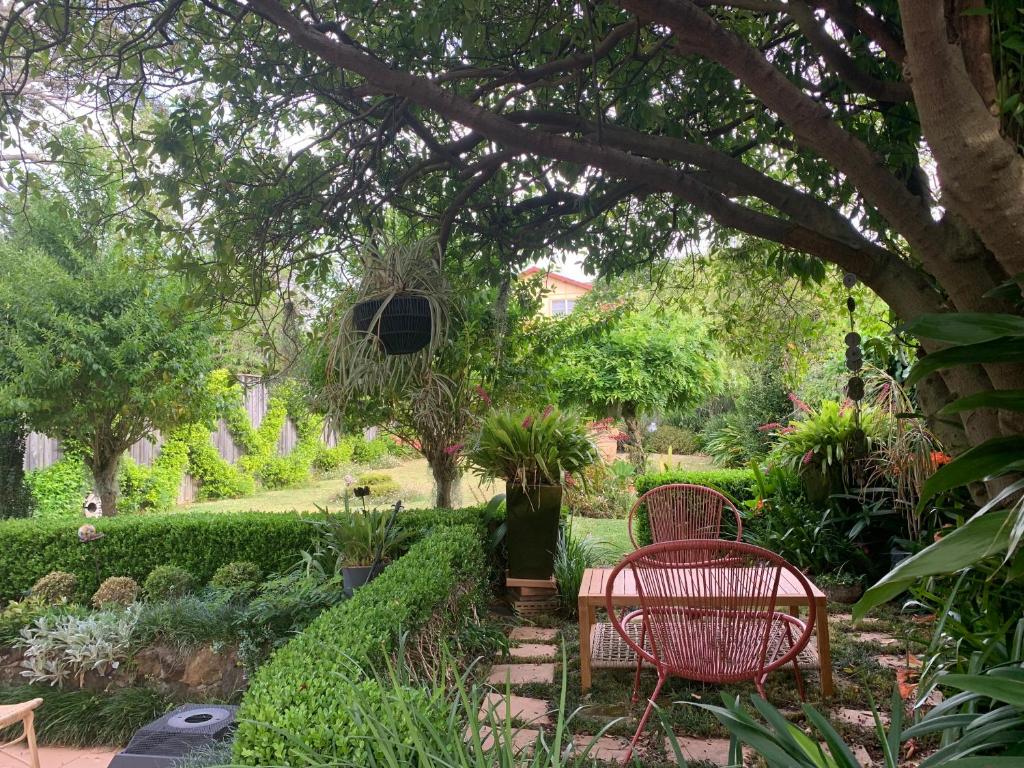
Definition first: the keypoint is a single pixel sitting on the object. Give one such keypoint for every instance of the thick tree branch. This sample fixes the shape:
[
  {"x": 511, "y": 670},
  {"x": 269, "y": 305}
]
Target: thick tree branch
[{"x": 982, "y": 174}]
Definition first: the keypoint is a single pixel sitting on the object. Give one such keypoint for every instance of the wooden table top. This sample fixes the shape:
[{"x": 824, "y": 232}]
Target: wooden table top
[{"x": 595, "y": 585}]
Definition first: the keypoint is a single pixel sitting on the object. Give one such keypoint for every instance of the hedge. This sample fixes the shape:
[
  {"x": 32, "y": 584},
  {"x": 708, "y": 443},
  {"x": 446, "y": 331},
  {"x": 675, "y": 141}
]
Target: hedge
[
  {"x": 300, "y": 701},
  {"x": 738, "y": 484},
  {"x": 199, "y": 542}
]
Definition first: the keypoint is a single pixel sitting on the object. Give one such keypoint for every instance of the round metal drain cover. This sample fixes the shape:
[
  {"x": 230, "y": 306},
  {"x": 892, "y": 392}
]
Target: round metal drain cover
[{"x": 200, "y": 717}]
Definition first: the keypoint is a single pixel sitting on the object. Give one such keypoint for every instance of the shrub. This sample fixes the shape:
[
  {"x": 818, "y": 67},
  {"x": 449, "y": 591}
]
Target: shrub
[
  {"x": 134, "y": 546},
  {"x": 328, "y": 459},
  {"x": 116, "y": 590},
  {"x": 310, "y": 685},
  {"x": 737, "y": 484},
  {"x": 601, "y": 490},
  {"x": 166, "y": 582},
  {"x": 730, "y": 441},
  {"x": 56, "y": 587},
  {"x": 89, "y": 718},
  {"x": 20, "y": 614},
  {"x": 237, "y": 576},
  {"x": 379, "y": 483},
  {"x": 667, "y": 437},
  {"x": 62, "y": 647},
  {"x": 187, "y": 622},
  {"x": 371, "y": 451},
  {"x": 59, "y": 489}
]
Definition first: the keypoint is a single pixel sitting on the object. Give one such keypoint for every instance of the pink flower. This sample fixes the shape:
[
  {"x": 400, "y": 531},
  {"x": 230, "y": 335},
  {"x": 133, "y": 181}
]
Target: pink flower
[
  {"x": 807, "y": 457},
  {"x": 528, "y": 422},
  {"x": 786, "y": 430},
  {"x": 769, "y": 426},
  {"x": 483, "y": 394},
  {"x": 570, "y": 481},
  {"x": 799, "y": 404},
  {"x": 547, "y": 411},
  {"x": 453, "y": 449}
]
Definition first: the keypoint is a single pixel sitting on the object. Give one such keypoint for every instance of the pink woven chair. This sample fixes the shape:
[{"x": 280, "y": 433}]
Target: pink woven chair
[
  {"x": 709, "y": 613},
  {"x": 683, "y": 511}
]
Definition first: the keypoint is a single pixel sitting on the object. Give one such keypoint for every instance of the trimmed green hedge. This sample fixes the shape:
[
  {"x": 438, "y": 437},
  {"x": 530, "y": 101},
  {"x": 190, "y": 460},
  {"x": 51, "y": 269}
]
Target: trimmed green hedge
[
  {"x": 134, "y": 545},
  {"x": 199, "y": 542},
  {"x": 738, "y": 484},
  {"x": 300, "y": 701}
]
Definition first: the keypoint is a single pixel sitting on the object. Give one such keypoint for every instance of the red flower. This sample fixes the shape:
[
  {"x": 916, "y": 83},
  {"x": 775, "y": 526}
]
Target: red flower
[
  {"x": 769, "y": 426},
  {"x": 799, "y": 404},
  {"x": 528, "y": 422},
  {"x": 483, "y": 395},
  {"x": 807, "y": 457},
  {"x": 939, "y": 458},
  {"x": 453, "y": 449},
  {"x": 547, "y": 411},
  {"x": 570, "y": 481}
]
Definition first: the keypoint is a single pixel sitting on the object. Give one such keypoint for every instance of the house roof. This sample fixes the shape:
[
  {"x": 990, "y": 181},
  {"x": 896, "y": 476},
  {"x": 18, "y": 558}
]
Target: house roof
[{"x": 555, "y": 276}]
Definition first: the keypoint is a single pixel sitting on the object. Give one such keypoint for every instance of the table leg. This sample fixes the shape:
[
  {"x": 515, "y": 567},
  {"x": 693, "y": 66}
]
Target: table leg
[
  {"x": 824, "y": 649},
  {"x": 586, "y": 622},
  {"x": 794, "y": 610}
]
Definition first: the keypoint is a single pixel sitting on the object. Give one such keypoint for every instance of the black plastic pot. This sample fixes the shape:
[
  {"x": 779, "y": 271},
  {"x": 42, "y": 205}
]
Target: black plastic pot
[
  {"x": 358, "y": 575},
  {"x": 404, "y": 325},
  {"x": 532, "y": 538}
]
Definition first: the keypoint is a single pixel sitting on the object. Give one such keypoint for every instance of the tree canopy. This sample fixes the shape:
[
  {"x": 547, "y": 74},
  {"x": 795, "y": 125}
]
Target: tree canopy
[{"x": 618, "y": 129}]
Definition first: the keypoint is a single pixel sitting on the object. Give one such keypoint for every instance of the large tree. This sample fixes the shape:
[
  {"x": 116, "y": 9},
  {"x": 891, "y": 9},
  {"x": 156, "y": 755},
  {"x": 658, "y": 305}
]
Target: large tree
[
  {"x": 97, "y": 349},
  {"x": 615, "y": 127}
]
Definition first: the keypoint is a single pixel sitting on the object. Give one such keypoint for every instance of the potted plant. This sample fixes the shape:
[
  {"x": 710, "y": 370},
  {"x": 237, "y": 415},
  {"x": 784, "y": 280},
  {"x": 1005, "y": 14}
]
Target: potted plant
[
  {"x": 400, "y": 301},
  {"x": 532, "y": 452},
  {"x": 365, "y": 542},
  {"x": 841, "y": 586}
]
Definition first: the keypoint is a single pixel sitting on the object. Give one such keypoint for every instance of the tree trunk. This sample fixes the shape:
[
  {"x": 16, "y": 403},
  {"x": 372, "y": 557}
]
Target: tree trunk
[
  {"x": 635, "y": 430},
  {"x": 446, "y": 472},
  {"x": 104, "y": 475}
]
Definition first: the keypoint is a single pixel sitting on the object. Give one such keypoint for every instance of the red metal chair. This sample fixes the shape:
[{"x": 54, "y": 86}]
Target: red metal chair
[
  {"x": 709, "y": 613},
  {"x": 683, "y": 511}
]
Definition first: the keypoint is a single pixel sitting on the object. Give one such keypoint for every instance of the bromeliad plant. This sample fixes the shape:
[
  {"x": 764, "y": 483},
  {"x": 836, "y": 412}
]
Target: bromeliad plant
[
  {"x": 528, "y": 449},
  {"x": 828, "y": 438}
]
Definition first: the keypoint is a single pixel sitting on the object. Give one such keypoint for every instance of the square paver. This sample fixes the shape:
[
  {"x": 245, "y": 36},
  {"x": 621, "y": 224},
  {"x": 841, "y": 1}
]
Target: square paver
[
  {"x": 876, "y": 637},
  {"x": 533, "y": 634},
  {"x": 860, "y": 717},
  {"x": 521, "y": 708},
  {"x": 610, "y": 749},
  {"x": 533, "y": 651},
  {"x": 523, "y": 739},
  {"x": 696, "y": 749},
  {"x": 521, "y": 674}
]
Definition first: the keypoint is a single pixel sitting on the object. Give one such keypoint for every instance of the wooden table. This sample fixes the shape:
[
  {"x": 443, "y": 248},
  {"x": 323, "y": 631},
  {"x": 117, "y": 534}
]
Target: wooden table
[{"x": 791, "y": 595}]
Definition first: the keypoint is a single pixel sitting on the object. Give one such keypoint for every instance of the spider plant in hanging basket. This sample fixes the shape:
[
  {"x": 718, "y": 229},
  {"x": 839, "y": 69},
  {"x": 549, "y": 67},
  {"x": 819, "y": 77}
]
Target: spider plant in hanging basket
[{"x": 399, "y": 317}]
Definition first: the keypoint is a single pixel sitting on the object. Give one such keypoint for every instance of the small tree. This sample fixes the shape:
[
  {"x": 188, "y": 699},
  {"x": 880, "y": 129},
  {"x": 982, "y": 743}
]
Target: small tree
[
  {"x": 645, "y": 363},
  {"x": 95, "y": 350}
]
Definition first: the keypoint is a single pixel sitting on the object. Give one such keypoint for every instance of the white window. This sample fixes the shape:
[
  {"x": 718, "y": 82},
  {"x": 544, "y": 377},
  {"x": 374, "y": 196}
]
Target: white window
[{"x": 562, "y": 306}]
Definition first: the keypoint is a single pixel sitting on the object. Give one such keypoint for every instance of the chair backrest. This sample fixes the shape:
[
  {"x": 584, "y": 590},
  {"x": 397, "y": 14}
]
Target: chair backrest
[
  {"x": 682, "y": 511},
  {"x": 709, "y": 608}
]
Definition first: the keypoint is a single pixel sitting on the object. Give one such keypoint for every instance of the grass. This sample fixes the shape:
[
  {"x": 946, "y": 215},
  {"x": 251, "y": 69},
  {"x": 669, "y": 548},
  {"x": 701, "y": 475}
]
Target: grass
[
  {"x": 415, "y": 489},
  {"x": 612, "y": 532}
]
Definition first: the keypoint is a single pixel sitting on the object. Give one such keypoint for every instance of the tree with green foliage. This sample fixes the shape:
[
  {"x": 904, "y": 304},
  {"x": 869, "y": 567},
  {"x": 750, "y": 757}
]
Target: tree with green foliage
[
  {"x": 15, "y": 499},
  {"x": 97, "y": 349},
  {"x": 616, "y": 128},
  {"x": 644, "y": 364}
]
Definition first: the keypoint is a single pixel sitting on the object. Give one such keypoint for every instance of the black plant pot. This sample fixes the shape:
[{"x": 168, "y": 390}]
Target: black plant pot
[
  {"x": 532, "y": 539},
  {"x": 404, "y": 326},
  {"x": 358, "y": 575}
]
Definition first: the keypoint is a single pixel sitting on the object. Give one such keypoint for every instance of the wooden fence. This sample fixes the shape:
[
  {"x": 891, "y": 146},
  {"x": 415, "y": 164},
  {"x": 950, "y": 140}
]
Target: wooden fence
[{"x": 42, "y": 451}]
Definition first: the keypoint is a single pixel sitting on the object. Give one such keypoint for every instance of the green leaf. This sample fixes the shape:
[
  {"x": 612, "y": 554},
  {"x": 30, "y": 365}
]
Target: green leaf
[
  {"x": 965, "y": 327},
  {"x": 990, "y": 459},
  {"x": 979, "y": 538},
  {"x": 1001, "y": 350},
  {"x": 1005, "y": 400}
]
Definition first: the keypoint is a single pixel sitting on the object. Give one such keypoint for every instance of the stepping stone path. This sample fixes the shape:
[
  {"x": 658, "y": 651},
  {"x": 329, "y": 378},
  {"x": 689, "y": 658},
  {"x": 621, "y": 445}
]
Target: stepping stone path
[
  {"x": 521, "y": 708},
  {"x": 881, "y": 638},
  {"x": 521, "y": 674},
  {"x": 861, "y": 718},
  {"x": 533, "y": 651}
]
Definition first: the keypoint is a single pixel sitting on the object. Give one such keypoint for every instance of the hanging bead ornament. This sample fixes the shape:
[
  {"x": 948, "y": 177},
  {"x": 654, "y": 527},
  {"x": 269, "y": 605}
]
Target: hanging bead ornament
[{"x": 854, "y": 362}]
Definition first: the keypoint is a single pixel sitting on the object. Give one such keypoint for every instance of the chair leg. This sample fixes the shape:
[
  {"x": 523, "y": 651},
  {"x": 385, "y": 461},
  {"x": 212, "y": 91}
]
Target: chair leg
[
  {"x": 799, "y": 680},
  {"x": 643, "y": 720},
  {"x": 639, "y": 665},
  {"x": 30, "y": 737}
]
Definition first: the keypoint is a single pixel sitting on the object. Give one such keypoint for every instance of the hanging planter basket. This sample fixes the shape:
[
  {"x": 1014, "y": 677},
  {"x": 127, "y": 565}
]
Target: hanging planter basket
[{"x": 404, "y": 326}]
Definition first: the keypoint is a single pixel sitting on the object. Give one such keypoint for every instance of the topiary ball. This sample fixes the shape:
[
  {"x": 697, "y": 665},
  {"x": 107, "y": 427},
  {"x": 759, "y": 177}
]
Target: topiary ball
[
  {"x": 167, "y": 582},
  {"x": 55, "y": 587},
  {"x": 116, "y": 590},
  {"x": 238, "y": 576}
]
